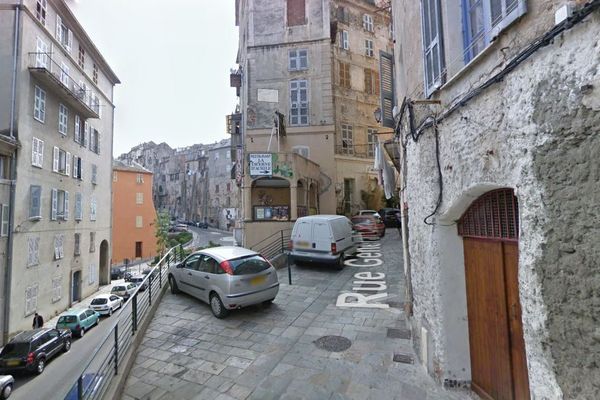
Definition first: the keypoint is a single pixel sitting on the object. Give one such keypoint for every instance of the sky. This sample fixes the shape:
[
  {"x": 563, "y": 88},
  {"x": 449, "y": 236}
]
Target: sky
[{"x": 173, "y": 59}]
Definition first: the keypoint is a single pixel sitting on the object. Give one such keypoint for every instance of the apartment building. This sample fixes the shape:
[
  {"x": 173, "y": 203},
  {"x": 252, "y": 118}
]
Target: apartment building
[
  {"x": 134, "y": 216},
  {"x": 222, "y": 193},
  {"x": 56, "y": 112},
  {"x": 308, "y": 84},
  {"x": 499, "y": 115}
]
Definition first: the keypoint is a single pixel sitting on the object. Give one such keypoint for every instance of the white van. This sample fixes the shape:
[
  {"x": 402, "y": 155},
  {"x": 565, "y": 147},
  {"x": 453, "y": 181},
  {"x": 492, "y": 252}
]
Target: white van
[{"x": 322, "y": 239}]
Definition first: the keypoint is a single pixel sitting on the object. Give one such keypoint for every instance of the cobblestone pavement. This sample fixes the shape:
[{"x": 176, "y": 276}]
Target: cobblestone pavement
[{"x": 269, "y": 353}]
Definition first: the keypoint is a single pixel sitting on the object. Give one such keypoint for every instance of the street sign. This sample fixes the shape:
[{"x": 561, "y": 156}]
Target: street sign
[{"x": 260, "y": 164}]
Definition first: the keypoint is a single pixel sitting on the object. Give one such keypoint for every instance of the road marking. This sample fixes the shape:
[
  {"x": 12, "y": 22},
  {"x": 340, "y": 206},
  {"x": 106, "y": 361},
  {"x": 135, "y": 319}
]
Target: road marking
[
  {"x": 228, "y": 239},
  {"x": 214, "y": 233}
]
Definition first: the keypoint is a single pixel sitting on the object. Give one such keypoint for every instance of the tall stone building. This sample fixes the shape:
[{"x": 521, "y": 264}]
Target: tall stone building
[
  {"x": 499, "y": 121},
  {"x": 308, "y": 82},
  {"x": 56, "y": 126}
]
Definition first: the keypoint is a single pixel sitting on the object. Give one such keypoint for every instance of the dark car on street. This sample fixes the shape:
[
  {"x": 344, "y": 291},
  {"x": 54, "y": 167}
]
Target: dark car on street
[
  {"x": 30, "y": 350},
  {"x": 389, "y": 216}
]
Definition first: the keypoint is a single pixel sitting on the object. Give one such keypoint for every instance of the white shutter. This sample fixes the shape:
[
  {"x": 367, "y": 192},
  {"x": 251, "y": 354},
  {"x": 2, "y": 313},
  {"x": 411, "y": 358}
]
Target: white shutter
[
  {"x": 56, "y": 247},
  {"x": 68, "y": 164},
  {"x": 66, "y": 213},
  {"x": 36, "y": 250},
  {"x": 55, "y": 159},
  {"x": 54, "y": 205},
  {"x": 30, "y": 251},
  {"x": 69, "y": 40},
  {"x": 58, "y": 29},
  {"x": 34, "y": 151},
  {"x": 86, "y": 131},
  {"x": 61, "y": 247},
  {"x": 97, "y": 142},
  {"x": 78, "y": 209},
  {"x": 77, "y": 132},
  {"x": 4, "y": 228},
  {"x": 74, "y": 172},
  {"x": 40, "y": 153}
]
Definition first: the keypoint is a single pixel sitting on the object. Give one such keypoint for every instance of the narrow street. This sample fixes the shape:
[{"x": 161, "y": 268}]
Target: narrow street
[{"x": 272, "y": 353}]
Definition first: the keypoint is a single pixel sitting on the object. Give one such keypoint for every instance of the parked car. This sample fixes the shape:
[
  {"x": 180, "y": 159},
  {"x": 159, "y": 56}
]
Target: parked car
[
  {"x": 30, "y": 350},
  {"x": 6, "y": 385},
  {"x": 368, "y": 212},
  {"x": 117, "y": 272},
  {"x": 389, "y": 217},
  {"x": 138, "y": 280},
  {"x": 226, "y": 277},
  {"x": 202, "y": 225},
  {"x": 153, "y": 272},
  {"x": 106, "y": 304},
  {"x": 125, "y": 290},
  {"x": 91, "y": 384},
  {"x": 369, "y": 226},
  {"x": 323, "y": 239},
  {"x": 78, "y": 321}
]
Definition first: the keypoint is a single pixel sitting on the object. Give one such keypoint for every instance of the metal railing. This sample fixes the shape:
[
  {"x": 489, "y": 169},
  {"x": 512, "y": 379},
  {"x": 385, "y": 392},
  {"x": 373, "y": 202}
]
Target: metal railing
[
  {"x": 273, "y": 245},
  {"x": 356, "y": 150},
  {"x": 96, "y": 377}
]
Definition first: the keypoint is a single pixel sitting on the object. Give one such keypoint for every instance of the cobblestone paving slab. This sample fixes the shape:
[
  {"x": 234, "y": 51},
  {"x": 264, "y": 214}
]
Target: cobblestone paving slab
[{"x": 270, "y": 353}]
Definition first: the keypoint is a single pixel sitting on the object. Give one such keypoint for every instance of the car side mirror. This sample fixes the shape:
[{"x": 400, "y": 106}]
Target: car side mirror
[{"x": 180, "y": 265}]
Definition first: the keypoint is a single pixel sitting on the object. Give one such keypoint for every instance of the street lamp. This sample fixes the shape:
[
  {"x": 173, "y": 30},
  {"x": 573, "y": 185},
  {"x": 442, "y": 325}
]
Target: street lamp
[{"x": 377, "y": 114}]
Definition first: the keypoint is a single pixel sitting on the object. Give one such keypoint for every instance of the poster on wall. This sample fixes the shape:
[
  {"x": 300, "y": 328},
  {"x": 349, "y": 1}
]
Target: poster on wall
[{"x": 260, "y": 164}]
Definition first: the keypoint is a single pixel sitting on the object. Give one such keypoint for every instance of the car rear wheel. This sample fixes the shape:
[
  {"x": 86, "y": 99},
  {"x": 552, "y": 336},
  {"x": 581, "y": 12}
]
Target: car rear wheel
[
  {"x": 173, "y": 285},
  {"x": 110, "y": 311},
  {"x": 6, "y": 391},
  {"x": 217, "y": 307},
  {"x": 340, "y": 262},
  {"x": 81, "y": 332},
  {"x": 39, "y": 367},
  {"x": 67, "y": 346}
]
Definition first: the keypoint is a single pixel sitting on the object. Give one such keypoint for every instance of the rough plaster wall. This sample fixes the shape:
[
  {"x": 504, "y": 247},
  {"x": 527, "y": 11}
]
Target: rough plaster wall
[{"x": 535, "y": 132}]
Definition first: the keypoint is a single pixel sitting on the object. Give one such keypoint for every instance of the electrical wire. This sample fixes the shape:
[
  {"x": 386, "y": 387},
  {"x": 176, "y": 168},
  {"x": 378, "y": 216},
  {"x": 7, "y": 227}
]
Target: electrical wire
[{"x": 440, "y": 178}]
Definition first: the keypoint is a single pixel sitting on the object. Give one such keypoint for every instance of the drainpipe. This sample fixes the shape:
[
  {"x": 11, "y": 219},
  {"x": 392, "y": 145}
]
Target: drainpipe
[
  {"x": 404, "y": 222},
  {"x": 13, "y": 172}
]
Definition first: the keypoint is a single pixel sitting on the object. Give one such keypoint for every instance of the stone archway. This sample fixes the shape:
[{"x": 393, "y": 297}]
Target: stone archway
[{"x": 104, "y": 273}]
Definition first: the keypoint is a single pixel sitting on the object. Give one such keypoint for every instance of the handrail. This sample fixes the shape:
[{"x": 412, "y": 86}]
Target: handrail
[
  {"x": 274, "y": 244},
  {"x": 278, "y": 234}
]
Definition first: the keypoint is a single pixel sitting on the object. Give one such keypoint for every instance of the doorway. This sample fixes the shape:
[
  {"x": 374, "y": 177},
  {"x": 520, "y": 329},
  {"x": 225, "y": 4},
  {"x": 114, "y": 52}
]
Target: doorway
[
  {"x": 490, "y": 230},
  {"x": 104, "y": 273},
  {"x": 138, "y": 249},
  {"x": 76, "y": 287}
]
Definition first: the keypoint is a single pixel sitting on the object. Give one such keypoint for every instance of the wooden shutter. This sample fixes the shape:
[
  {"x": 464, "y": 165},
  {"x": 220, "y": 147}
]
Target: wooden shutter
[
  {"x": 386, "y": 71},
  {"x": 54, "y": 206}
]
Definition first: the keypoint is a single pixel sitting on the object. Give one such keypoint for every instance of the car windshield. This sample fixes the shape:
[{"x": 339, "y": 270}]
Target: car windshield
[
  {"x": 15, "y": 349},
  {"x": 363, "y": 221},
  {"x": 99, "y": 301},
  {"x": 249, "y": 265},
  {"x": 118, "y": 288},
  {"x": 67, "y": 319}
]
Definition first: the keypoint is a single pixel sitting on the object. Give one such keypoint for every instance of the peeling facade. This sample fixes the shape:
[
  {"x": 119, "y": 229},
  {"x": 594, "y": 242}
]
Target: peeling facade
[{"x": 535, "y": 131}]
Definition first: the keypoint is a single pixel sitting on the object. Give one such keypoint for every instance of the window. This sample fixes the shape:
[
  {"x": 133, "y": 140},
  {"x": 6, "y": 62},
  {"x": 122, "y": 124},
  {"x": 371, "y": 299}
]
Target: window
[
  {"x": 139, "y": 198},
  {"x": 63, "y": 34},
  {"x": 139, "y": 221},
  {"x": 483, "y": 20},
  {"x": 78, "y": 207},
  {"x": 91, "y": 274},
  {"x": 343, "y": 15},
  {"x": 216, "y": 155},
  {"x": 298, "y": 59},
  {"x": 41, "y": 54},
  {"x": 138, "y": 249},
  {"x": 31, "y": 297},
  {"x": 371, "y": 141},
  {"x": 35, "y": 202},
  {"x": 56, "y": 289},
  {"x": 59, "y": 246},
  {"x": 95, "y": 73},
  {"x": 77, "y": 167},
  {"x": 61, "y": 161},
  {"x": 60, "y": 205},
  {"x": 296, "y": 12},
  {"x": 114, "y": 176},
  {"x": 93, "y": 209},
  {"x": 81, "y": 57},
  {"x": 86, "y": 133},
  {"x": 63, "y": 119},
  {"x": 94, "y": 140},
  {"x": 371, "y": 82},
  {"x": 92, "y": 242},
  {"x": 344, "y": 75},
  {"x": 95, "y": 104},
  {"x": 347, "y": 139},
  {"x": 40, "y": 11},
  {"x": 433, "y": 47},
  {"x": 304, "y": 151},
  {"x": 299, "y": 102},
  {"x": 4, "y": 219},
  {"x": 37, "y": 152},
  {"x": 39, "y": 105},
  {"x": 64, "y": 74},
  {"x": 80, "y": 131},
  {"x": 369, "y": 48},
  {"x": 368, "y": 22},
  {"x": 94, "y": 174},
  {"x": 77, "y": 244},
  {"x": 344, "y": 42},
  {"x": 139, "y": 178},
  {"x": 33, "y": 250},
  {"x": 4, "y": 167}
]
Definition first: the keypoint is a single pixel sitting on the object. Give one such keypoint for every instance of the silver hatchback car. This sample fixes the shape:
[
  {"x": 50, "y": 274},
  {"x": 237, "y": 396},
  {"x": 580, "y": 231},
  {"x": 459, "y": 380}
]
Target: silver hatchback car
[{"x": 226, "y": 277}]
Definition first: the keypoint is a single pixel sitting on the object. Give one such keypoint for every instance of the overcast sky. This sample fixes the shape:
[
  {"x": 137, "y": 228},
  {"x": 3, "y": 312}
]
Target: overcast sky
[{"x": 173, "y": 59}]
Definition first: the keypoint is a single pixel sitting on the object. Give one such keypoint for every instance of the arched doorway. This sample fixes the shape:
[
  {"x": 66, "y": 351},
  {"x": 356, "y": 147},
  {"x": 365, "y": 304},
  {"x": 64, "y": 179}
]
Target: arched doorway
[
  {"x": 103, "y": 265},
  {"x": 490, "y": 232}
]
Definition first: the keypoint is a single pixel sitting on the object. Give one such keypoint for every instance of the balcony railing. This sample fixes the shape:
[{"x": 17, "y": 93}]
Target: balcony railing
[
  {"x": 356, "y": 150},
  {"x": 78, "y": 97}
]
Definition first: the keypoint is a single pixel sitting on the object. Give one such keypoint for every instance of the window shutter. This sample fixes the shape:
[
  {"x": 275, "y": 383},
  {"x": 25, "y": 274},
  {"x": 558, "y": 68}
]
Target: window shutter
[
  {"x": 34, "y": 151},
  {"x": 68, "y": 164},
  {"x": 69, "y": 40},
  {"x": 55, "y": 161},
  {"x": 4, "y": 228},
  {"x": 80, "y": 168},
  {"x": 86, "y": 131},
  {"x": 74, "y": 172},
  {"x": 77, "y": 132},
  {"x": 386, "y": 70},
  {"x": 97, "y": 142},
  {"x": 78, "y": 208},
  {"x": 40, "y": 153},
  {"x": 35, "y": 193},
  {"x": 59, "y": 28},
  {"x": 56, "y": 247},
  {"x": 66, "y": 213},
  {"x": 433, "y": 46},
  {"x": 54, "y": 205}
]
